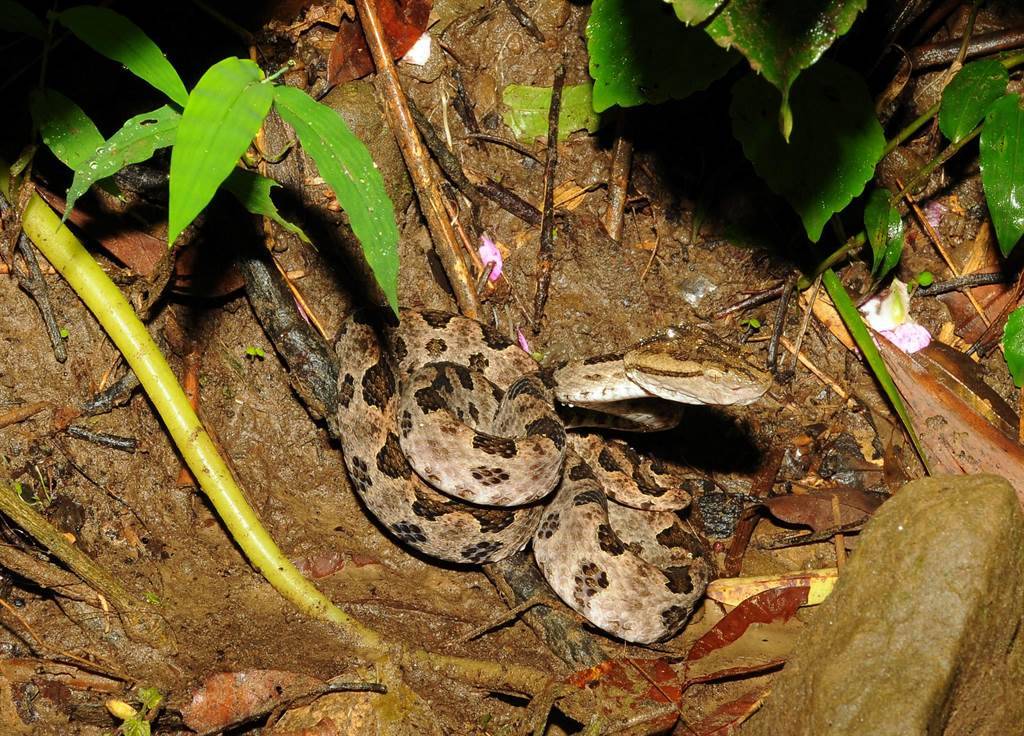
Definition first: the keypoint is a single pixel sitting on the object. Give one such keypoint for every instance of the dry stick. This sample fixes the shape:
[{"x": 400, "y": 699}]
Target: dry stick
[
  {"x": 463, "y": 105},
  {"x": 497, "y": 139},
  {"x": 547, "y": 227},
  {"x": 21, "y": 413},
  {"x": 140, "y": 622},
  {"x": 754, "y": 300},
  {"x": 618, "y": 178},
  {"x": 525, "y": 20},
  {"x": 127, "y": 444},
  {"x": 818, "y": 373},
  {"x": 970, "y": 280},
  {"x": 416, "y": 160},
  {"x": 937, "y": 54},
  {"x": 510, "y": 201},
  {"x": 444, "y": 156},
  {"x": 797, "y": 355},
  {"x": 780, "y": 323},
  {"x": 35, "y": 286}
]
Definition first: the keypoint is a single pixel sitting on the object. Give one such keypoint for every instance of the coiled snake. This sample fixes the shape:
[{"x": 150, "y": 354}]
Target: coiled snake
[{"x": 452, "y": 441}]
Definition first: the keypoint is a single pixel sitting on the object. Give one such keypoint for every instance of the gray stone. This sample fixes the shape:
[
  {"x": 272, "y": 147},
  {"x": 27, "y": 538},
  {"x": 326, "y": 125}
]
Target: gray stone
[{"x": 921, "y": 635}]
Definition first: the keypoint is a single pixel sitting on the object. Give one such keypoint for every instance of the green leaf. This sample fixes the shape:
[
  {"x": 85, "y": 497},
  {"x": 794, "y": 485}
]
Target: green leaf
[
  {"x": 136, "y": 141},
  {"x": 639, "y": 53},
  {"x": 1013, "y": 345},
  {"x": 855, "y": 324},
  {"x": 967, "y": 98},
  {"x": 65, "y": 128},
  {"x": 694, "y": 11},
  {"x": 117, "y": 38},
  {"x": 16, "y": 19},
  {"x": 223, "y": 113},
  {"x": 347, "y": 167},
  {"x": 884, "y": 227},
  {"x": 1002, "y": 169},
  {"x": 835, "y": 145},
  {"x": 526, "y": 111},
  {"x": 781, "y": 39},
  {"x": 253, "y": 191}
]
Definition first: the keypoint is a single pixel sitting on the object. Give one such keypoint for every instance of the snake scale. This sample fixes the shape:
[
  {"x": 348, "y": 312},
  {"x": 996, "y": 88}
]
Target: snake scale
[{"x": 452, "y": 440}]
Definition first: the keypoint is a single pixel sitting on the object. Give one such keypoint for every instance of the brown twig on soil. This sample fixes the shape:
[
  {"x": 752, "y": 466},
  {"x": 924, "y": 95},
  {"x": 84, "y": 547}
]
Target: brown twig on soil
[
  {"x": 804, "y": 324},
  {"x": 509, "y": 201},
  {"x": 116, "y": 442},
  {"x": 498, "y": 140},
  {"x": 759, "y": 488},
  {"x": 463, "y": 105},
  {"x": 21, "y": 413},
  {"x": 809, "y": 365},
  {"x": 780, "y": 323},
  {"x": 140, "y": 622},
  {"x": 35, "y": 286},
  {"x": 444, "y": 156},
  {"x": 416, "y": 160},
  {"x": 547, "y": 227},
  {"x": 618, "y": 178},
  {"x": 104, "y": 401},
  {"x": 754, "y": 300},
  {"x": 190, "y": 384},
  {"x": 944, "y": 52},
  {"x": 525, "y": 20},
  {"x": 961, "y": 282}
]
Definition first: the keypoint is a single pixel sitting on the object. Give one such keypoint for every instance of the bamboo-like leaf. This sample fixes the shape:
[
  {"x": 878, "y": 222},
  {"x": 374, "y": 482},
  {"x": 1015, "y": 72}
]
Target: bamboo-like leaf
[
  {"x": 1013, "y": 345},
  {"x": 223, "y": 114},
  {"x": 1002, "y": 169},
  {"x": 884, "y": 228},
  {"x": 15, "y": 18},
  {"x": 117, "y": 38},
  {"x": 136, "y": 141},
  {"x": 855, "y": 324},
  {"x": 346, "y": 166},
  {"x": 253, "y": 191},
  {"x": 65, "y": 128}
]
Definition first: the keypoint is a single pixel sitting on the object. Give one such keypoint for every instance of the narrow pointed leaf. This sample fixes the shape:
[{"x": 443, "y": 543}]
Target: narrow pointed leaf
[
  {"x": 15, "y": 18},
  {"x": 639, "y": 53},
  {"x": 781, "y": 39},
  {"x": 884, "y": 227},
  {"x": 835, "y": 144},
  {"x": 136, "y": 141},
  {"x": 65, "y": 128},
  {"x": 223, "y": 114},
  {"x": 346, "y": 166},
  {"x": 117, "y": 38},
  {"x": 967, "y": 99},
  {"x": 253, "y": 191},
  {"x": 1002, "y": 169}
]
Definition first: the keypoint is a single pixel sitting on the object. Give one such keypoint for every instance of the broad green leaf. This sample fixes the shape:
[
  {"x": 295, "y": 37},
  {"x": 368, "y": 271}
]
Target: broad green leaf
[
  {"x": 526, "y": 111},
  {"x": 16, "y": 19},
  {"x": 136, "y": 141},
  {"x": 639, "y": 53},
  {"x": 967, "y": 98},
  {"x": 223, "y": 114},
  {"x": 346, "y": 166},
  {"x": 694, "y": 11},
  {"x": 884, "y": 227},
  {"x": 855, "y": 324},
  {"x": 1013, "y": 345},
  {"x": 253, "y": 191},
  {"x": 65, "y": 128},
  {"x": 1002, "y": 169},
  {"x": 835, "y": 145},
  {"x": 781, "y": 39},
  {"x": 117, "y": 38}
]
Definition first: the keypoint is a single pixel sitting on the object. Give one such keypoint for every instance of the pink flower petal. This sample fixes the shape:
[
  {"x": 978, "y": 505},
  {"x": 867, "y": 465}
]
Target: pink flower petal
[
  {"x": 489, "y": 253},
  {"x": 521, "y": 339},
  {"x": 908, "y": 337}
]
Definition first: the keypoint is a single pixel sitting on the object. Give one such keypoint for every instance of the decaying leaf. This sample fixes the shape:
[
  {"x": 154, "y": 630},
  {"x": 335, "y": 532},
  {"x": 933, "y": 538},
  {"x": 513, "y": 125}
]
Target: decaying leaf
[{"x": 403, "y": 22}]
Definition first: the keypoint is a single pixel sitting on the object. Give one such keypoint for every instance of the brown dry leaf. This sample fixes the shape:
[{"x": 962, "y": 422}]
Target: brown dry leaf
[
  {"x": 403, "y": 22},
  {"x": 569, "y": 195},
  {"x": 814, "y": 509},
  {"x": 728, "y": 717},
  {"x": 228, "y": 698},
  {"x": 951, "y": 424},
  {"x": 733, "y": 591},
  {"x": 619, "y": 690},
  {"x": 776, "y": 604}
]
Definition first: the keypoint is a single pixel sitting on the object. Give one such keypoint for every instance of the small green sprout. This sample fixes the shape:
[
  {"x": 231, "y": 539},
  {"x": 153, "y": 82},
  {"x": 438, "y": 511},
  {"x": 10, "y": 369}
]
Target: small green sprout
[
  {"x": 152, "y": 598},
  {"x": 925, "y": 278},
  {"x": 64, "y": 333},
  {"x": 753, "y": 324},
  {"x": 254, "y": 353}
]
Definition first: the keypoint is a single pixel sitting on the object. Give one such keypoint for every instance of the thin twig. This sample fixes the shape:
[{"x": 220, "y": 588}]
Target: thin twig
[
  {"x": 444, "y": 156},
  {"x": 754, "y": 300},
  {"x": 510, "y": 201},
  {"x": 35, "y": 286},
  {"x": 21, "y": 413},
  {"x": 488, "y": 138},
  {"x": 462, "y": 104},
  {"x": 805, "y": 322},
  {"x": 418, "y": 163},
  {"x": 618, "y": 178},
  {"x": 128, "y": 444},
  {"x": 524, "y": 20},
  {"x": 547, "y": 227},
  {"x": 961, "y": 282},
  {"x": 937, "y": 54},
  {"x": 780, "y": 323}
]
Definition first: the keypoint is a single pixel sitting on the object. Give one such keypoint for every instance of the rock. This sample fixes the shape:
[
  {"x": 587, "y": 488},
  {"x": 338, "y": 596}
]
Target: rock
[{"x": 921, "y": 633}]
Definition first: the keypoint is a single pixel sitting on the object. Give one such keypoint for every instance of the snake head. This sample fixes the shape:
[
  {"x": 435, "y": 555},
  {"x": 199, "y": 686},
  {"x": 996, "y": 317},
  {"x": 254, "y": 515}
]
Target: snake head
[{"x": 692, "y": 365}]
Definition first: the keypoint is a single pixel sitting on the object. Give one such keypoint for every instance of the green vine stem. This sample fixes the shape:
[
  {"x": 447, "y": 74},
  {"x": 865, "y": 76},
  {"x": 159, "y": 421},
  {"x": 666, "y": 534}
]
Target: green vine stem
[{"x": 69, "y": 258}]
